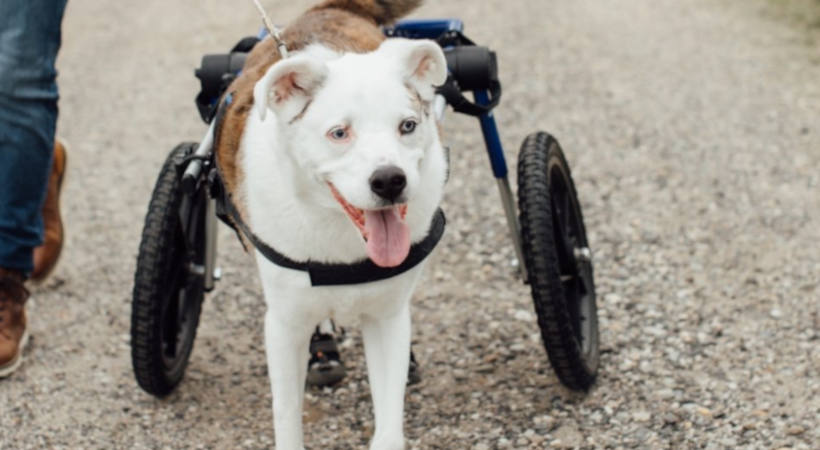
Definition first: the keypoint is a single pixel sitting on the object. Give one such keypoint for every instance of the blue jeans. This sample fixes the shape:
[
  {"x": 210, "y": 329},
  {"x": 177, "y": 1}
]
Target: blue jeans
[{"x": 29, "y": 40}]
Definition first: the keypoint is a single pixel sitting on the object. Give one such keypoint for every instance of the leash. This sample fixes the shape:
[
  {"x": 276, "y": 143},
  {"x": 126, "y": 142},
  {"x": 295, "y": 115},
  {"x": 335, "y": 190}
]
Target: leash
[{"x": 273, "y": 30}]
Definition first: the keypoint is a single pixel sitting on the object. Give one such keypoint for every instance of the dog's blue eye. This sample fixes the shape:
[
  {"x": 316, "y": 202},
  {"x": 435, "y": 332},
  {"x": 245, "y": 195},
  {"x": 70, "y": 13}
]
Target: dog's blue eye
[
  {"x": 408, "y": 126},
  {"x": 338, "y": 133}
]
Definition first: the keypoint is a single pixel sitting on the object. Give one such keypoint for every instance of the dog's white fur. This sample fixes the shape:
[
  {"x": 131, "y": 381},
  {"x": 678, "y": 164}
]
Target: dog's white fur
[{"x": 288, "y": 160}]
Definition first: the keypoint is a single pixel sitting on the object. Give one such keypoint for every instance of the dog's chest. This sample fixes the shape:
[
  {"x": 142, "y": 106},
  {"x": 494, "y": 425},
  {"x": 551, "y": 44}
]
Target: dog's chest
[{"x": 347, "y": 303}]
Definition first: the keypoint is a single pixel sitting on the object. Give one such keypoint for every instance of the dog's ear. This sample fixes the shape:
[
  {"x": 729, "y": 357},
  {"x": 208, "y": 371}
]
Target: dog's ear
[
  {"x": 288, "y": 86},
  {"x": 423, "y": 63}
]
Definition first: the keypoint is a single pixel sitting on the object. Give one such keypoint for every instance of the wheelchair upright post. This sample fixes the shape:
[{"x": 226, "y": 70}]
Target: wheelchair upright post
[
  {"x": 212, "y": 273},
  {"x": 192, "y": 179},
  {"x": 499, "y": 165}
]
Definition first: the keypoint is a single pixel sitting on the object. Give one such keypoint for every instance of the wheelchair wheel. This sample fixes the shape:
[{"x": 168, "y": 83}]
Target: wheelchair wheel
[
  {"x": 168, "y": 288},
  {"x": 558, "y": 260}
]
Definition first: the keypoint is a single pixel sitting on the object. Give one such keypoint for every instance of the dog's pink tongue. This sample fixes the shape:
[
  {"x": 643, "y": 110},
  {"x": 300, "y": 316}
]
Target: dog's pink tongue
[{"x": 388, "y": 237}]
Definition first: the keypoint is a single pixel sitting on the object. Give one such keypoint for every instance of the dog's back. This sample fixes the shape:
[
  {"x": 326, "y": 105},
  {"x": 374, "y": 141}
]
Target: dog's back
[{"x": 342, "y": 25}]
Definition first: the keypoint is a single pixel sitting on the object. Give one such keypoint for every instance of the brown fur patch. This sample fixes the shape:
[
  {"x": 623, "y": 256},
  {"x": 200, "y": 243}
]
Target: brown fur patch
[{"x": 382, "y": 11}]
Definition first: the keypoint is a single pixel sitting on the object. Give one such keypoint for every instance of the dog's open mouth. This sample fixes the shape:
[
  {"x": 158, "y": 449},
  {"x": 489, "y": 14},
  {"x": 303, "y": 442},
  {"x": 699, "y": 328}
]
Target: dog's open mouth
[{"x": 386, "y": 235}]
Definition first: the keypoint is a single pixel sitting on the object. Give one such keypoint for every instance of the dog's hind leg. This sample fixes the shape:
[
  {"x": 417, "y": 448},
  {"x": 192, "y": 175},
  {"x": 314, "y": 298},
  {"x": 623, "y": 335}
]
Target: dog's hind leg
[
  {"x": 387, "y": 348},
  {"x": 287, "y": 351}
]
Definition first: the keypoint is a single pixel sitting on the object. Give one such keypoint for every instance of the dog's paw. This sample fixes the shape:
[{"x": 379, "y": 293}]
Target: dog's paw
[{"x": 385, "y": 442}]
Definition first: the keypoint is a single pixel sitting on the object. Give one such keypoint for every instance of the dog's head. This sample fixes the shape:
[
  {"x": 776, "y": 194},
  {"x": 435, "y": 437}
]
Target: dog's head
[{"x": 361, "y": 125}]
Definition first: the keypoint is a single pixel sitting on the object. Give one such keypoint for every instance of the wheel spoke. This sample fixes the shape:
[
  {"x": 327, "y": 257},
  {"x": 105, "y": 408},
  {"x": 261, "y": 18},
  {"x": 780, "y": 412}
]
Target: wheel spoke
[
  {"x": 567, "y": 212},
  {"x": 560, "y": 226},
  {"x": 174, "y": 307},
  {"x": 170, "y": 326}
]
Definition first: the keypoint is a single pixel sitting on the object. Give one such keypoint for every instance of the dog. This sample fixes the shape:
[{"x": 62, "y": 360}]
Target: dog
[{"x": 332, "y": 158}]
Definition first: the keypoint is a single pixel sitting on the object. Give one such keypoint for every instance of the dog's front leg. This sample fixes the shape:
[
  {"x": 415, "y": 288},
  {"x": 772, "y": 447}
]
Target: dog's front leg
[
  {"x": 287, "y": 347},
  {"x": 387, "y": 348}
]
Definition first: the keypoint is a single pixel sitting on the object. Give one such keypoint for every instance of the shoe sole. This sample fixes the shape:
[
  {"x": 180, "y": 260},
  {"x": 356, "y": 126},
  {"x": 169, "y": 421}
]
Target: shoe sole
[
  {"x": 14, "y": 364},
  {"x": 323, "y": 375}
]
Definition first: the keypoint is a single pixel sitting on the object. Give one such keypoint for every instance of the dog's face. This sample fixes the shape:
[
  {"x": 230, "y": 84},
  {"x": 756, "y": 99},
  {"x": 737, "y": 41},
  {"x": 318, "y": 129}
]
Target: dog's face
[{"x": 361, "y": 126}]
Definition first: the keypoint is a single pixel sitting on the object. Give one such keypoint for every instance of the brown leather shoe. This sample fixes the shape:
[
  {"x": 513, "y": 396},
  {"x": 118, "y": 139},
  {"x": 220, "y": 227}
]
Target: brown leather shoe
[
  {"x": 46, "y": 255},
  {"x": 13, "y": 335}
]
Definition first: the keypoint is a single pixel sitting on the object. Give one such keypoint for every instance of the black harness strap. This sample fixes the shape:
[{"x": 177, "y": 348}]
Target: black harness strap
[{"x": 321, "y": 274}]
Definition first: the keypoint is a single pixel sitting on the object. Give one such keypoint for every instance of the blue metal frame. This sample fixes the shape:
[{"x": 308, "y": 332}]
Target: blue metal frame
[
  {"x": 491, "y": 138},
  {"x": 424, "y": 29}
]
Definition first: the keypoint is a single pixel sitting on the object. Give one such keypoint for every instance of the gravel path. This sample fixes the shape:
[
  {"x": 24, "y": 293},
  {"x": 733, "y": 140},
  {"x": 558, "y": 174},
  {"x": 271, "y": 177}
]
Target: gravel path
[{"x": 692, "y": 129}]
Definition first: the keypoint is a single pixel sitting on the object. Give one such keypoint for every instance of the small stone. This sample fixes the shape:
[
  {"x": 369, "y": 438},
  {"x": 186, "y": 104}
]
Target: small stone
[
  {"x": 705, "y": 412},
  {"x": 569, "y": 435},
  {"x": 626, "y": 365},
  {"x": 546, "y": 422},
  {"x": 666, "y": 394},
  {"x": 728, "y": 442},
  {"x": 536, "y": 439},
  {"x": 795, "y": 430},
  {"x": 776, "y": 313},
  {"x": 491, "y": 357},
  {"x": 518, "y": 347},
  {"x": 642, "y": 416},
  {"x": 671, "y": 418},
  {"x": 523, "y": 316}
]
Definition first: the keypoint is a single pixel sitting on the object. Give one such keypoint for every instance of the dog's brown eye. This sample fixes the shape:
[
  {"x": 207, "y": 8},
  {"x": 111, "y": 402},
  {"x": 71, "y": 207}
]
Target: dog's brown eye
[
  {"x": 338, "y": 133},
  {"x": 408, "y": 126}
]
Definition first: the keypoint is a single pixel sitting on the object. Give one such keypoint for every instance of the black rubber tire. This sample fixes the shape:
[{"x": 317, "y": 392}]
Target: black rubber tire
[
  {"x": 162, "y": 330},
  {"x": 563, "y": 289}
]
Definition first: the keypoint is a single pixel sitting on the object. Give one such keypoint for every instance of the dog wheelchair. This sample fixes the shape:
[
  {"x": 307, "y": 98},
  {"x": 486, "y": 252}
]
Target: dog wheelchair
[{"x": 176, "y": 264}]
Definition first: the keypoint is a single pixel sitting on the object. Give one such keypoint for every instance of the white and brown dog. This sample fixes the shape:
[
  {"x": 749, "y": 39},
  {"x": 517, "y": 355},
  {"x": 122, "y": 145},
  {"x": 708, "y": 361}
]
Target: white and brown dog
[{"x": 332, "y": 156}]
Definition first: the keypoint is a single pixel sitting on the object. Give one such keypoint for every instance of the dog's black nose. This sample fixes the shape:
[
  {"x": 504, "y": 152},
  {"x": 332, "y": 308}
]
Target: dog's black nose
[{"x": 388, "y": 182}]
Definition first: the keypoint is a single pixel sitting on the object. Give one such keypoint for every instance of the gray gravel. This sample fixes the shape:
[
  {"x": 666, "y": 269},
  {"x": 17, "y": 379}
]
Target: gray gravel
[{"x": 692, "y": 129}]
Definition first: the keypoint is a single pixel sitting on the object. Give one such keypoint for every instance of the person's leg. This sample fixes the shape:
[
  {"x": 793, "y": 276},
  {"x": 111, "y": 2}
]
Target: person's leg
[{"x": 29, "y": 40}]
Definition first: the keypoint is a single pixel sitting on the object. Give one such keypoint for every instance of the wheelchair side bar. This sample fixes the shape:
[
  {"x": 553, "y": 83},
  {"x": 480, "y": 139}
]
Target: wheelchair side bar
[
  {"x": 212, "y": 273},
  {"x": 424, "y": 29},
  {"x": 499, "y": 165},
  {"x": 191, "y": 175},
  {"x": 491, "y": 138},
  {"x": 190, "y": 180}
]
